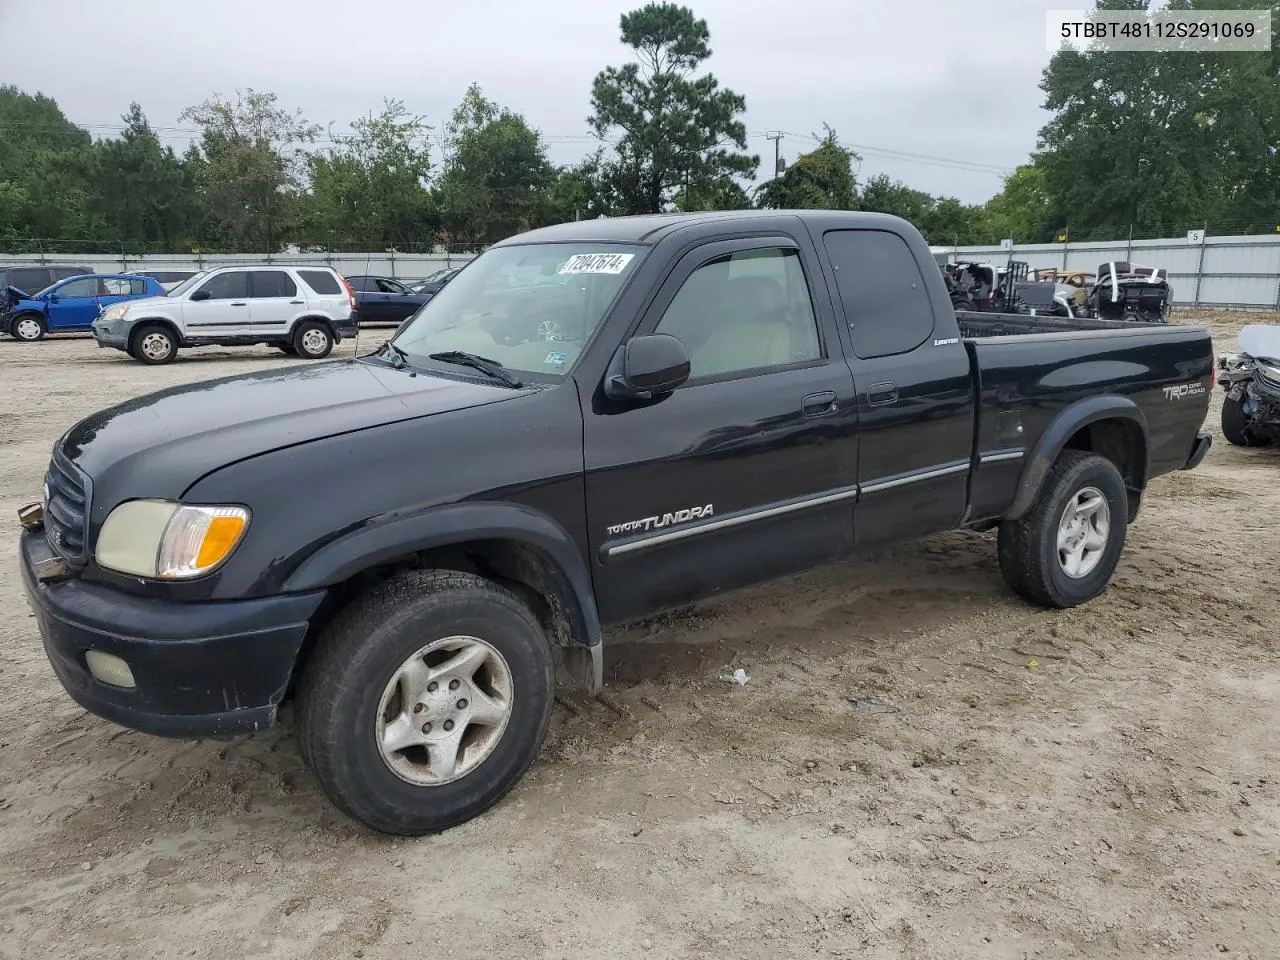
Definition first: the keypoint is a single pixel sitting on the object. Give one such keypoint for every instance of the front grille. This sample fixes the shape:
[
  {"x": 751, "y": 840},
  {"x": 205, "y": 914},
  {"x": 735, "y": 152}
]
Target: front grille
[{"x": 66, "y": 520}]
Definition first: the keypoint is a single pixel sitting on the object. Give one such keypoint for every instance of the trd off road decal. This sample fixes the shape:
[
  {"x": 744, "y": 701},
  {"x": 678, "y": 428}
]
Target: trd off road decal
[
  {"x": 666, "y": 520},
  {"x": 1180, "y": 391}
]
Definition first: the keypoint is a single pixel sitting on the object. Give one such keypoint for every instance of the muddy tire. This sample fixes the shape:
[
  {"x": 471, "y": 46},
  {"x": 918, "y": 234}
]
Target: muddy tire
[
  {"x": 425, "y": 700},
  {"x": 1235, "y": 425},
  {"x": 154, "y": 344},
  {"x": 1063, "y": 550}
]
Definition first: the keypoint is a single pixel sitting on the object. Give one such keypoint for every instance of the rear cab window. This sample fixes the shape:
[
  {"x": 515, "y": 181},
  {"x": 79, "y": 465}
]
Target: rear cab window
[
  {"x": 321, "y": 282},
  {"x": 886, "y": 302}
]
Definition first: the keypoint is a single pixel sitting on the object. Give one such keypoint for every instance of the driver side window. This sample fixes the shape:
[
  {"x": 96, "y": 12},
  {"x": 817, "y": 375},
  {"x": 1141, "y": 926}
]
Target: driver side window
[
  {"x": 745, "y": 311},
  {"x": 88, "y": 287},
  {"x": 228, "y": 286}
]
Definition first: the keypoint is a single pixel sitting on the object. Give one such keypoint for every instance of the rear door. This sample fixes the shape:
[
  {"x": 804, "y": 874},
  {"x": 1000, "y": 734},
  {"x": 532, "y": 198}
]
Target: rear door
[
  {"x": 914, "y": 388},
  {"x": 73, "y": 305},
  {"x": 225, "y": 313},
  {"x": 276, "y": 302}
]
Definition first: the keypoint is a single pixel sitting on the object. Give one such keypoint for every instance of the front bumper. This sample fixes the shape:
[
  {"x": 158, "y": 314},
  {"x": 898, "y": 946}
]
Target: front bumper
[
  {"x": 110, "y": 335},
  {"x": 200, "y": 669},
  {"x": 1204, "y": 440}
]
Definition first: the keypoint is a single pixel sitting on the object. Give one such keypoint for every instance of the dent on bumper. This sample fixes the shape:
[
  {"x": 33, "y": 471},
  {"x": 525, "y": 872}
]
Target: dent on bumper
[{"x": 200, "y": 669}]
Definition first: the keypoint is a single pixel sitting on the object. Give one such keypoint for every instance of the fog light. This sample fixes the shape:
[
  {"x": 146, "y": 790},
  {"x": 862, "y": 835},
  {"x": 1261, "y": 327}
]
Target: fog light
[{"x": 109, "y": 669}]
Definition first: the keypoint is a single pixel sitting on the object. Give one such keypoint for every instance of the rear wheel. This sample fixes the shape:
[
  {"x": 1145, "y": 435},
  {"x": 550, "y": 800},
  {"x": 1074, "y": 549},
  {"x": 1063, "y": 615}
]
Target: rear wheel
[
  {"x": 154, "y": 344},
  {"x": 1236, "y": 425},
  {"x": 312, "y": 341},
  {"x": 425, "y": 701},
  {"x": 1063, "y": 550},
  {"x": 28, "y": 326}
]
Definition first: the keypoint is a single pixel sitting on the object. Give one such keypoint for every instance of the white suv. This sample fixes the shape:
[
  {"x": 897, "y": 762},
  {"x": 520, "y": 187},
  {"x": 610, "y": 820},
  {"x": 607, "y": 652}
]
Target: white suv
[{"x": 301, "y": 310}]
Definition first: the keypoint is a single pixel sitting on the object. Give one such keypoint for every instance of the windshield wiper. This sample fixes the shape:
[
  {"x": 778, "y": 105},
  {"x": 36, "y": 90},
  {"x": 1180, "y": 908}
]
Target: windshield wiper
[
  {"x": 397, "y": 356},
  {"x": 490, "y": 367}
]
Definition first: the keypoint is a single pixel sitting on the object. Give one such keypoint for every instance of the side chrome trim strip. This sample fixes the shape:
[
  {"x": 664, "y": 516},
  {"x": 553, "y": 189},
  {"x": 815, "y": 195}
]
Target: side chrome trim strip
[
  {"x": 959, "y": 466},
  {"x": 733, "y": 520},
  {"x": 1001, "y": 457}
]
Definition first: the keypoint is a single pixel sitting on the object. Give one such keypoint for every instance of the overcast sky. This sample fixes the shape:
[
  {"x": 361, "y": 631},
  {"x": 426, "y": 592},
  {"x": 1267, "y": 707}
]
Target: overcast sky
[{"x": 950, "y": 80}]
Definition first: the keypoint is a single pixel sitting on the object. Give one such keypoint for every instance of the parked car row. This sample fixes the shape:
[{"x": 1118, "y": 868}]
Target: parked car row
[{"x": 301, "y": 310}]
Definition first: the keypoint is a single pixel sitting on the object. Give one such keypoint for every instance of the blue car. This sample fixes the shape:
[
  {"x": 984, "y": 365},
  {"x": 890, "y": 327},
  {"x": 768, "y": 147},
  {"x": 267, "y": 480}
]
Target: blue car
[{"x": 74, "y": 303}]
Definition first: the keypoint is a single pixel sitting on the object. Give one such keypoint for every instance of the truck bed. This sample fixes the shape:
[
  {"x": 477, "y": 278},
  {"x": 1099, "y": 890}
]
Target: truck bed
[{"x": 976, "y": 325}]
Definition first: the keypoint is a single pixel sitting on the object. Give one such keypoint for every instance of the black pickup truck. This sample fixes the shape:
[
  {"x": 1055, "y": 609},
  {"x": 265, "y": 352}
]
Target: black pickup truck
[{"x": 592, "y": 423}]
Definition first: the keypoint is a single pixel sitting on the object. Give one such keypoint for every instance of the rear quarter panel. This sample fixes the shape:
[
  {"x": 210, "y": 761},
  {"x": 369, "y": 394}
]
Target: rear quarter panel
[{"x": 1030, "y": 380}]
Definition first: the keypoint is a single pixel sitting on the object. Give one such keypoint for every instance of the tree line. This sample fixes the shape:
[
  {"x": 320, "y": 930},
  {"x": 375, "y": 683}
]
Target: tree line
[{"x": 1152, "y": 143}]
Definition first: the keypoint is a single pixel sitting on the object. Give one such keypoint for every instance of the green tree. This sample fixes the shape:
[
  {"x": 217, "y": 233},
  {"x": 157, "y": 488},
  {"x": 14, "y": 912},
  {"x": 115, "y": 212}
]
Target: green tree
[
  {"x": 496, "y": 175},
  {"x": 881, "y": 194},
  {"x": 46, "y": 165},
  {"x": 821, "y": 179},
  {"x": 372, "y": 187},
  {"x": 248, "y": 168},
  {"x": 581, "y": 191},
  {"x": 1023, "y": 210},
  {"x": 139, "y": 189},
  {"x": 1162, "y": 140},
  {"x": 676, "y": 131}
]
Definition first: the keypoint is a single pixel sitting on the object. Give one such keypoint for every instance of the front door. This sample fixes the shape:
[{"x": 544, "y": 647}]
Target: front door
[
  {"x": 275, "y": 302},
  {"x": 915, "y": 390},
  {"x": 225, "y": 313},
  {"x": 749, "y": 469},
  {"x": 74, "y": 305}
]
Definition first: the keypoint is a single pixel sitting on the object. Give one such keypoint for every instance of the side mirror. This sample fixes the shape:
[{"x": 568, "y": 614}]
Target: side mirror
[
  {"x": 200, "y": 295},
  {"x": 645, "y": 367},
  {"x": 53, "y": 298}
]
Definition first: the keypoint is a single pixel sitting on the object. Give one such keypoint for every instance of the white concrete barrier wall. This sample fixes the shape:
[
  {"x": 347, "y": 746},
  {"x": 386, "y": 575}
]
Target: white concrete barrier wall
[{"x": 403, "y": 266}]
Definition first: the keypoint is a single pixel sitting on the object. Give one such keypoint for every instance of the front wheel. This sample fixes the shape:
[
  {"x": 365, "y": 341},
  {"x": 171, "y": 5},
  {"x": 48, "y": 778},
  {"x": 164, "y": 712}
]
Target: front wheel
[
  {"x": 425, "y": 701},
  {"x": 312, "y": 341},
  {"x": 1063, "y": 550},
  {"x": 1236, "y": 426},
  {"x": 154, "y": 344},
  {"x": 29, "y": 327}
]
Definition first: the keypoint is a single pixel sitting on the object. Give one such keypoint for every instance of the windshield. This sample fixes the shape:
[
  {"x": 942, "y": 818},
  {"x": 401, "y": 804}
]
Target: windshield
[
  {"x": 531, "y": 307},
  {"x": 186, "y": 284}
]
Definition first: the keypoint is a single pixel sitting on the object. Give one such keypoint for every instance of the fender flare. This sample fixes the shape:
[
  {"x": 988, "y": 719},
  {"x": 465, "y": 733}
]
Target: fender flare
[
  {"x": 388, "y": 538},
  {"x": 137, "y": 323},
  {"x": 1060, "y": 430}
]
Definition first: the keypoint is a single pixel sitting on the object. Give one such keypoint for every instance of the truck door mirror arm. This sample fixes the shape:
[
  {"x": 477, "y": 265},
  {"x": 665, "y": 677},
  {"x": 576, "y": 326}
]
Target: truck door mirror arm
[{"x": 645, "y": 367}]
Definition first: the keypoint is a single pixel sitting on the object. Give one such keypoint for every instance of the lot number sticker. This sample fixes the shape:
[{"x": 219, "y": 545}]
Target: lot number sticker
[{"x": 597, "y": 263}]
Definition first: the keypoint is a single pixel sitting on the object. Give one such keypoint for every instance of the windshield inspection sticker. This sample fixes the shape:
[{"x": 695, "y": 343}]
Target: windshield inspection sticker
[
  {"x": 597, "y": 263},
  {"x": 556, "y": 359}
]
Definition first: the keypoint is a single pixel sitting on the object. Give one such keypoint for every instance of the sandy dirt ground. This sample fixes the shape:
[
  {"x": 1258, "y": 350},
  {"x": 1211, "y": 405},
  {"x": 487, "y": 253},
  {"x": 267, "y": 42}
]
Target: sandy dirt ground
[{"x": 920, "y": 766}]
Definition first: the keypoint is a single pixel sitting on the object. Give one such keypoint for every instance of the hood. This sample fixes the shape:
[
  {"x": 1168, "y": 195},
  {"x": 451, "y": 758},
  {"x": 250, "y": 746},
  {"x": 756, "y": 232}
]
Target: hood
[
  {"x": 160, "y": 444},
  {"x": 144, "y": 301},
  {"x": 1261, "y": 341}
]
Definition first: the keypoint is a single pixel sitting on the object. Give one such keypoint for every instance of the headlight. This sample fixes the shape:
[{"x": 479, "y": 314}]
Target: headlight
[
  {"x": 169, "y": 541},
  {"x": 1269, "y": 370},
  {"x": 114, "y": 312}
]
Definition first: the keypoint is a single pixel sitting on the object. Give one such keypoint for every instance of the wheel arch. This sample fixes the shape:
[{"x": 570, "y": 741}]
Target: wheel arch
[
  {"x": 521, "y": 548},
  {"x": 141, "y": 323},
  {"x": 320, "y": 318},
  {"x": 1109, "y": 426}
]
